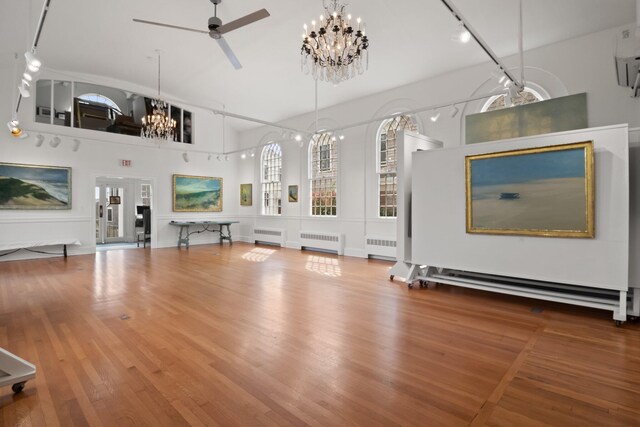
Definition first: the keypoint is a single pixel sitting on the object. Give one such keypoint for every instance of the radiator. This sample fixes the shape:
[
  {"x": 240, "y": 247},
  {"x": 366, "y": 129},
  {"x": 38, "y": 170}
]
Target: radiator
[
  {"x": 275, "y": 236},
  {"x": 378, "y": 246},
  {"x": 324, "y": 241}
]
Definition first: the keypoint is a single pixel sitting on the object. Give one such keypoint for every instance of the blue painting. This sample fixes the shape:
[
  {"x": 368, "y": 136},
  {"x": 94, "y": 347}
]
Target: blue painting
[
  {"x": 197, "y": 194},
  {"x": 34, "y": 187},
  {"x": 540, "y": 191}
]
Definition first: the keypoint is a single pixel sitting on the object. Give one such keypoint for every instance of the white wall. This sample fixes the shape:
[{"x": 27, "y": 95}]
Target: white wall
[
  {"x": 601, "y": 261},
  {"x": 579, "y": 65},
  {"x": 99, "y": 155},
  {"x": 583, "y": 64}
]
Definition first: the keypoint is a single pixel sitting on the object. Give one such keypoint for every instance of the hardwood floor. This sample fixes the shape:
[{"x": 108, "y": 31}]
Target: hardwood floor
[{"x": 249, "y": 335}]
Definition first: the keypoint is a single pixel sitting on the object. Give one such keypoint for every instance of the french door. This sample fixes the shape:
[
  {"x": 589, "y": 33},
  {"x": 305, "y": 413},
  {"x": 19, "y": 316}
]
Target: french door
[{"x": 111, "y": 208}]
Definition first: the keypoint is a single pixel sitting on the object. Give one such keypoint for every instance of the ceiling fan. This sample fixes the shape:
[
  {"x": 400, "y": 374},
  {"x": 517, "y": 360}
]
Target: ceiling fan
[{"x": 217, "y": 29}]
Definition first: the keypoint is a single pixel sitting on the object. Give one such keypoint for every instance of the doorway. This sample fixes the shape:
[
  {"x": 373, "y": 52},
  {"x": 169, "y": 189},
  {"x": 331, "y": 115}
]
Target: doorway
[{"x": 117, "y": 203}]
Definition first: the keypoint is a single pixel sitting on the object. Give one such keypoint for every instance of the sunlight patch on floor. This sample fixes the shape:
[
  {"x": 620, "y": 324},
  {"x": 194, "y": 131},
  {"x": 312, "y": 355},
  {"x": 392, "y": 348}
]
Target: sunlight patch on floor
[
  {"x": 258, "y": 255},
  {"x": 323, "y": 265}
]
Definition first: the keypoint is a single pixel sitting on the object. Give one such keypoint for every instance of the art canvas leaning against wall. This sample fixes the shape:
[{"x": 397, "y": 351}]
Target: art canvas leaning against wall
[{"x": 547, "y": 191}]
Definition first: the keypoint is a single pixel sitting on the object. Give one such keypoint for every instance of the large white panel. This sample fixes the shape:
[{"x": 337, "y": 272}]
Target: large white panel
[{"x": 440, "y": 238}]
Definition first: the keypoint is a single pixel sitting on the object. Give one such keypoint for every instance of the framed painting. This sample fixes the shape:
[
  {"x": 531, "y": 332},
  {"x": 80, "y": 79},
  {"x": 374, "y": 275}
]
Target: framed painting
[
  {"x": 197, "y": 194},
  {"x": 546, "y": 191},
  {"x": 246, "y": 194},
  {"x": 32, "y": 187},
  {"x": 293, "y": 193}
]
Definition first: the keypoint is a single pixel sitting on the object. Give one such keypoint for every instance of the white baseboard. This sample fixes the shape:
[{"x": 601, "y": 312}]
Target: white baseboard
[
  {"x": 291, "y": 244},
  {"x": 358, "y": 253}
]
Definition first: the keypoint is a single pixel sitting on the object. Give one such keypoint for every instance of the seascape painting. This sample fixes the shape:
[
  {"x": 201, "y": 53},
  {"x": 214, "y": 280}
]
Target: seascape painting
[
  {"x": 546, "y": 191},
  {"x": 246, "y": 194},
  {"x": 197, "y": 194},
  {"x": 32, "y": 187}
]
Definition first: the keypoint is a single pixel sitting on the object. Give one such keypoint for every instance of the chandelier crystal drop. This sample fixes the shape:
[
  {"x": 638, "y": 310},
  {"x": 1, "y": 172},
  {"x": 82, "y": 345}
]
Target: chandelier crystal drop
[
  {"x": 334, "y": 49},
  {"x": 158, "y": 126}
]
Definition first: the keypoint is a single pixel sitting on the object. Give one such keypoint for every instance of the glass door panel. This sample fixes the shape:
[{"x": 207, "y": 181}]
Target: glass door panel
[{"x": 110, "y": 207}]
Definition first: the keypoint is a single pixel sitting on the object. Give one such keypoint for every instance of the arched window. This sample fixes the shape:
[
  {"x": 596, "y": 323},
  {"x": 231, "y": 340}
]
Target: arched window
[
  {"x": 323, "y": 174},
  {"x": 527, "y": 96},
  {"x": 96, "y": 98},
  {"x": 271, "y": 180},
  {"x": 387, "y": 163}
]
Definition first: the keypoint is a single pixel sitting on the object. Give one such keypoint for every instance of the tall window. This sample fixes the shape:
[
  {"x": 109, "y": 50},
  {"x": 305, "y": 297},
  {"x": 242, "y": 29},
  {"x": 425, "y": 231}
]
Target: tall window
[
  {"x": 527, "y": 96},
  {"x": 145, "y": 194},
  {"x": 323, "y": 175},
  {"x": 271, "y": 180},
  {"x": 387, "y": 163}
]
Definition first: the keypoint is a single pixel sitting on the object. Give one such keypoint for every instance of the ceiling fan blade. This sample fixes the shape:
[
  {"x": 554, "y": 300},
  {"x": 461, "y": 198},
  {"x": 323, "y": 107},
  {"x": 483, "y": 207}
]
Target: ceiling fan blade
[
  {"x": 227, "y": 51},
  {"x": 245, "y": 20},
  {"x": 142, "y": 21}
]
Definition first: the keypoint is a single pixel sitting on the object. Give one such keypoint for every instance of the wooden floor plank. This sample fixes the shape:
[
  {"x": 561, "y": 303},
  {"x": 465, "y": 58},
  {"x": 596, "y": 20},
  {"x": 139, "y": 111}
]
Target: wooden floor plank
[{"x": 250, "y": 335}]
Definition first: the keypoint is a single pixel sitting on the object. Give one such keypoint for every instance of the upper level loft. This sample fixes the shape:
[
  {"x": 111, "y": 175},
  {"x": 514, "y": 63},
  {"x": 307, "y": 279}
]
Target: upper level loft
[{"x": 101, "y": 108}]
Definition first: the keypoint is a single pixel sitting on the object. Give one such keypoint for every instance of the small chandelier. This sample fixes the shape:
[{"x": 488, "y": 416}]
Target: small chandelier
[
  {"x": 158, "y": 126},
  {"x": 333, "y": 50}
]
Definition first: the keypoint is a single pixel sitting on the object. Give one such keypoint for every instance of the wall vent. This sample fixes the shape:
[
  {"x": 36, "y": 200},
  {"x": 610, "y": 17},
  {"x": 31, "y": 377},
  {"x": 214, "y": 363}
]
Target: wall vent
[
  {"x": 274, "y": 236},
  {"x": 379, "y": 246},
  {"x": 324, "y": 241}
]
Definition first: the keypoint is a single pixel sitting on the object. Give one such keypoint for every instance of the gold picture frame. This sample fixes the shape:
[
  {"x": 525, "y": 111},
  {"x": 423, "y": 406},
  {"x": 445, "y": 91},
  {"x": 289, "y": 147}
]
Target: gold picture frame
[
  {"x": 197, "y": 193},
  {"x": 293, "y": 194},
  {"x": 543, "y": 191},
  {"x": 246, "y": 194}
]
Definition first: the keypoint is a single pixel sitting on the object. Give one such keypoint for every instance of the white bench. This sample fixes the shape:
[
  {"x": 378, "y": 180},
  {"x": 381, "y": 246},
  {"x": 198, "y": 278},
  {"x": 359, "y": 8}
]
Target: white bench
[{"x": 12, "y": 247}]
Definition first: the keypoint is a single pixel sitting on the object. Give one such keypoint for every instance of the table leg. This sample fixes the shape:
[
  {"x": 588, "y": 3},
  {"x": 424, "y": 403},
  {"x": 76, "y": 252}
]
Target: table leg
[
  {"x": 185, "y": 239},
  {"x": 229, "y": 234}
]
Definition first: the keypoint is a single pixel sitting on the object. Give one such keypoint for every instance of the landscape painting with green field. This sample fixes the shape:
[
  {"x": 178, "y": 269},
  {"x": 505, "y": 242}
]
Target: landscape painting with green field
[
  {"x": 197, "y": 194},
  {"x": 34, "y": 187}
]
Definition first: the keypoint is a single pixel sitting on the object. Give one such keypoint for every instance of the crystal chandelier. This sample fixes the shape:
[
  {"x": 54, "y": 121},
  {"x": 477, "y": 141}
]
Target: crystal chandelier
[
  {"x": 158, "y": 126},
  {"x": 332, "y": 49}
]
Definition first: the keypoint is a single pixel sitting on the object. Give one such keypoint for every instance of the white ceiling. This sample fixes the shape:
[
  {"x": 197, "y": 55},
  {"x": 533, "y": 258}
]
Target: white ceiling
[{"x": 98, "y": 37}]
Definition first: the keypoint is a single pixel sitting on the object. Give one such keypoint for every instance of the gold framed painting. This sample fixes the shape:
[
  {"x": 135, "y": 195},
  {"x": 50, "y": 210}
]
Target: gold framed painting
[
  {"x": 246, "y": 194},
  {"x": 197, "y": 193},
  {"x": 34, "y": 187},
  {"x": 543, "y": 191},
  {"x": 293, "y": 194}
]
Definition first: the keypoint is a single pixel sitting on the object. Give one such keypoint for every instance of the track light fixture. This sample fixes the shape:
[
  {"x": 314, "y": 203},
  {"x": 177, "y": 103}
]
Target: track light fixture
[
  {"x": 454, "y": 111},
  {"x": 435, "y": 117},
  {"x": 219, "y": 158},
  {"x": 185, "y": 157},
  {"x": 39, "y": 140},
  {"x": 243, "y": 156},
  {"x": 24, "y": 91},
  {"x": 226, "y": 158},
  {"x": 14, "y": 127},
  {"x": 76, "y": 145},
  {"x": 55, "y": 142},
  {"x": 298, "y": 137},
  {"x": 33, "y": 63},
  {"x": 209, "y": 156},
  {"x": 253, "y": 153},
  {"x": 462, "y": 35}
]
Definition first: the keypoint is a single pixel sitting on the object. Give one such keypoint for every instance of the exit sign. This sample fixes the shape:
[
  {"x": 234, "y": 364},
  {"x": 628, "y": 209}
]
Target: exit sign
[{"x": 125, "y": 163}]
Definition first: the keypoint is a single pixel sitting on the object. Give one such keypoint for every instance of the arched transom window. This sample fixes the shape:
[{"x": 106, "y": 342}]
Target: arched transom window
[
  {"x": 387, "y": 163},
  {"x": 527, "y": 96},
  {"x": 101, "y": 99},
  {"x": 271, "y": 180},
  {"x": 323, "y": 174}
]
